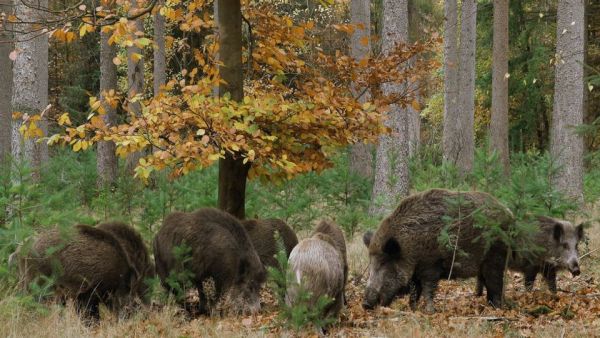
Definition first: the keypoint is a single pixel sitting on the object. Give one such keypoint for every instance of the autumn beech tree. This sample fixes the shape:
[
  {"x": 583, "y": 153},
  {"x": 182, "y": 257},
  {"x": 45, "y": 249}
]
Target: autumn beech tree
[{"x": 283, "y": 115}]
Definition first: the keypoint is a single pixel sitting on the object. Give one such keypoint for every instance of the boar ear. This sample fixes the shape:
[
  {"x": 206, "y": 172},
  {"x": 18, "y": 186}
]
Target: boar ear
[
  {"x": 580, "y": 232},
  {"x": 558, "y": 231},
  {"x": 391, "y": 247},
  {"x": 367, "y": 238}
]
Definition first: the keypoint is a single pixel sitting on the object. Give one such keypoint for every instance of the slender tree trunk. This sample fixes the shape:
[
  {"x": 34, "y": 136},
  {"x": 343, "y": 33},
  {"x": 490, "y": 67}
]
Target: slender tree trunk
[
  {"x": 499, "y": 122},
  {"x": 30, "y": 87},
  {"x": 414, "y": 125},
  {"x": 6, "y": 74},
  {"x": 449, "y": 138},
  {"x": 232, "y": 172},
  {"x": 135, "y": 81},
  {"x": 107, "y": 163},
  {"x": 160, "y": 59},
  {"x": 415, "y": 30},
  {"x": 566, "y": 146},
  {"x": 391, "y": 171},
  {"x": 466, "y": 85},
  {"x": 361, "y": 158}
]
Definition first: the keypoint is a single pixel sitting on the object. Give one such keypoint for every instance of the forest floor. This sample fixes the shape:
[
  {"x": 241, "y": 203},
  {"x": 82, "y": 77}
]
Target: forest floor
[{"x": 573, "y": 312}]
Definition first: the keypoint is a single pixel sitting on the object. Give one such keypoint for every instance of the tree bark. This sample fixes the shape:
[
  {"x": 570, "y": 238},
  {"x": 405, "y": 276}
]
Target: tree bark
[
  {"x": 449, "y": 138},
  {"x": 6, "y": 74},
  {"x": 160, "y": 59},
  {"x": 361, "y": 158},
  {"x": 107, "y": 163},
  {"x": 566, "y": 146},
  {"x": 391, "y": 171},
  {"x": 232, "y": 172},
  {"x": 135, "y": 81},
  {"x": 30, "y": 86},
  {"x": 499, "y": 121},
  {"x": 466, "y": 84}
]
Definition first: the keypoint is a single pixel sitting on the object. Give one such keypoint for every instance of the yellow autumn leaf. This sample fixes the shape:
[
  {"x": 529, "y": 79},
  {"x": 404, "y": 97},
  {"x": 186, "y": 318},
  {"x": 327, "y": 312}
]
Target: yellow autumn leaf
[{"x": 64, "y": 120}]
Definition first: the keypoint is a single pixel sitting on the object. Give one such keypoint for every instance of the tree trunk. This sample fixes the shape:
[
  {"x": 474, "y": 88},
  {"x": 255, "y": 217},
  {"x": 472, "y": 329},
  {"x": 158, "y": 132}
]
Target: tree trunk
[
  {"x": 6, "y": 74},
  {"x": 107, "y": 163},
  {"x": 135, "y": 81},
  {"x": 232, "y": 172},
  {"x": 466, "y": 84},
  {"x": 449, "y": 137},
  {"x": 391, "y": 171},
  {"x": 499, "y": 121},
  {"x": 160, "y": 59},
  {"x": 414, "y": 125},
  {"x": 566, "y": 146},
  {"x": 30, "y": 86},
  {"x": 361, "y": 158}
]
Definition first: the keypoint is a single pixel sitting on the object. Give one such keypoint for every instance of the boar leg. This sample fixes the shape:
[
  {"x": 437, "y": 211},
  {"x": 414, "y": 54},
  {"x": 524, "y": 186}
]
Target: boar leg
[
  {"x": 529, "y": 277},
  {"x": 428, "y": 281},
  {"x": 88, "y": 305},
  {"x": 415, "y": 293},
  {"x": 549, "y": 273},
  {"x": 492, "y": 273},
  {"x": 480, "y": 282}
]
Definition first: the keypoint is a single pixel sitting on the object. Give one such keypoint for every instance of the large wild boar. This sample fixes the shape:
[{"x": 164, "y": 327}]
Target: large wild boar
[
  {"x": 263, "y": 234},
  {"x": 318, "y": 265},
  {"x": 221, "y": 253},
  {"x": 134, "y": 246},
  {"x": 87, "y": 264},
  {"x": 556, "y": 242},
  {"x": 406, "y": 250}
]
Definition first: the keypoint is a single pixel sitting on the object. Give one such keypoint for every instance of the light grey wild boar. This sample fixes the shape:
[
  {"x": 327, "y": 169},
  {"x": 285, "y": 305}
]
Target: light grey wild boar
[
  {"x": 406, "y": 252},
  {"x": 87, "y": 264},
  {"x": 263, "y": 233},
  {"x": 557, "y": 249},
  {"x": 222, "y": 255},
  {"x": 318, "y": 266}
]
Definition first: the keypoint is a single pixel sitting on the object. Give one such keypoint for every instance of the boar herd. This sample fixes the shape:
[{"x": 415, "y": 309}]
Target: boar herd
[{"x": 227, "y": 259}]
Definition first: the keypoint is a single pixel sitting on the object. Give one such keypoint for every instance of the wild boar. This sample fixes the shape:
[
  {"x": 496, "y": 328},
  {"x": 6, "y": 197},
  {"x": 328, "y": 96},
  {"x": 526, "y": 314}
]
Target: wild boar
[
  {"x": 221, "y": 255},
  {"x": 407, "y": 247},
  {"x": 555, "y": 248},
  {"x": 133, "y": 244},
  {"x": 86, "y": 264},
  {"x": 318, "y": 266},
  {"x": 263, "y": 234}
]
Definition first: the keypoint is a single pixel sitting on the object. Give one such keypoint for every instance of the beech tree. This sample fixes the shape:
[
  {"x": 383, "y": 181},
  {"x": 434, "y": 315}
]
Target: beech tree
[
  {"x": 6, "y": 79},
  {"x": 499, "y": 120},
  {"x": 566, "y": 146},
  {"x": 292, "y": 108},
  {"x": 459, "y": 103},
  {"x": 361, "y": 158},
  {"x": 30, "y": 88},
  {"x": 107, "y": 164},
  {"x": 135, "y": 79},
  {"x": 391, "y": 169}
]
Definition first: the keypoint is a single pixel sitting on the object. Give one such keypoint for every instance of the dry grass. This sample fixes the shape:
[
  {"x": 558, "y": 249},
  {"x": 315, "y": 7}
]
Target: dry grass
[{"x": 574, "y": 312}]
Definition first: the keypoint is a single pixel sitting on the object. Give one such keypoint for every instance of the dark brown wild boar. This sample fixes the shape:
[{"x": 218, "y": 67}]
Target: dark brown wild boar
[
  {"x": 318, "y": 266},
  {"x": 133, "y": 244},
  {"x": 556, "y": 248},
  {"x": 407, "y": 248},
  {"x": 87, "y": 264},
  {"x": 263, "y": 233},
  {"x": 221, "y": 253}
]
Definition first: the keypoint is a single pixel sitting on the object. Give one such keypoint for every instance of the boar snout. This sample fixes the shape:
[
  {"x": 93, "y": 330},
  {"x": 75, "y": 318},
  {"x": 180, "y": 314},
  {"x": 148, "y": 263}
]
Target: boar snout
[
  {"x": 371, "y": 299},
  {"x": 574, "y": 268}
]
